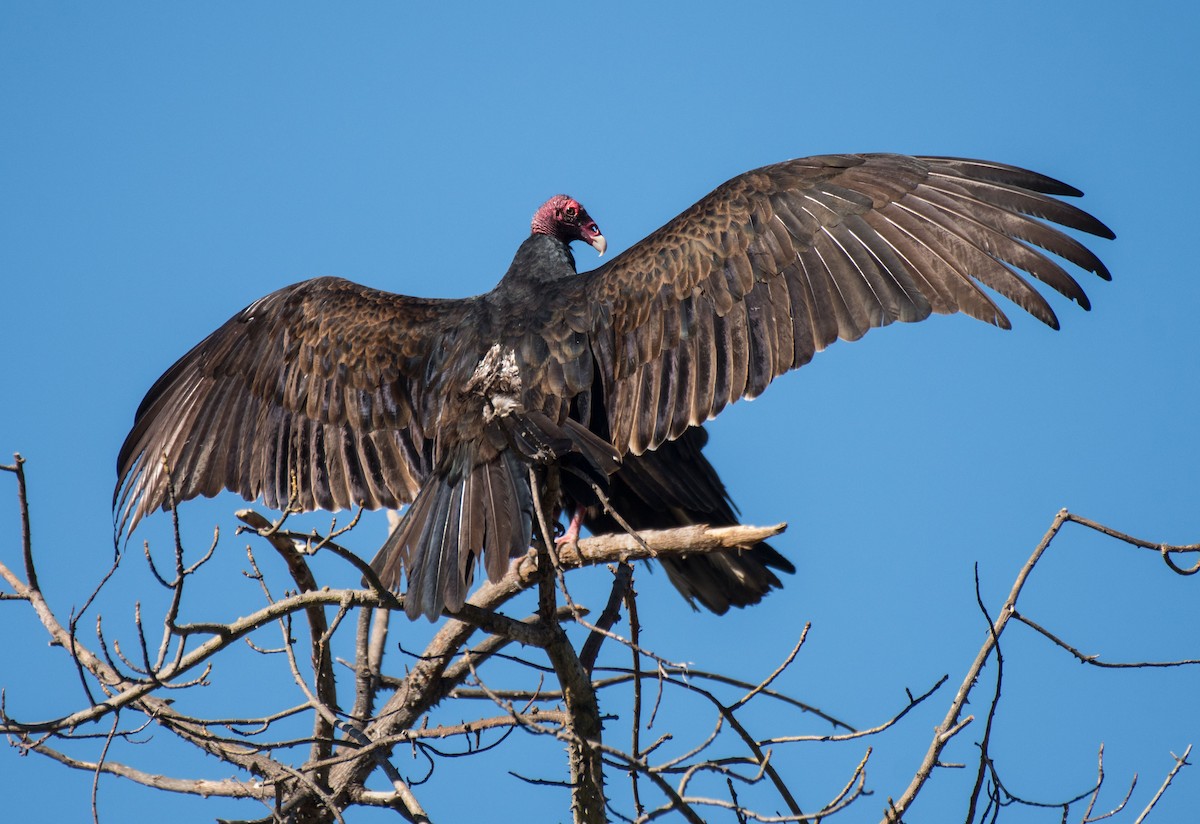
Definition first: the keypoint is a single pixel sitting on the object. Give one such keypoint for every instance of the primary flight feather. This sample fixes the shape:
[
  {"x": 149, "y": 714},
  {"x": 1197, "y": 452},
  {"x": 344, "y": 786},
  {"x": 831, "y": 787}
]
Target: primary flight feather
[{"x": 327, "y": 394}]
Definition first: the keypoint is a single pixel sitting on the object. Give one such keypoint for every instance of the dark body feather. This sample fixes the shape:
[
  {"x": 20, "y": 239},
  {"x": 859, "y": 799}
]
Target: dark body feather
[{"x": 329, "y": 395}]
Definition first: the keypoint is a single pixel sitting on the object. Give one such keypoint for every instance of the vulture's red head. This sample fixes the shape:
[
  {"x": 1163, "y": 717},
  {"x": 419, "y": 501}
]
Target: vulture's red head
[{"x": 564, "y": 218}]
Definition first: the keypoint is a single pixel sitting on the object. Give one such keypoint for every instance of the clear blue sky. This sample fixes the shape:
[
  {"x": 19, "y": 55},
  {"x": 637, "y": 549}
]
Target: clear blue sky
[{"x": 162, "y": 166}]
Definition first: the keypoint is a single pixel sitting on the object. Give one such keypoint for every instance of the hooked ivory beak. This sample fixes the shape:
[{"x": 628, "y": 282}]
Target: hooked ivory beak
[{"x": 599, "y": 244}]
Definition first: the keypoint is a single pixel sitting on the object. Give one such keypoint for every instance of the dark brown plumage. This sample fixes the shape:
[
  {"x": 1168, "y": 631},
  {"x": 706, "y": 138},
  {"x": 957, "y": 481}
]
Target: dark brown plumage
[{"x": 331, "y": 395}]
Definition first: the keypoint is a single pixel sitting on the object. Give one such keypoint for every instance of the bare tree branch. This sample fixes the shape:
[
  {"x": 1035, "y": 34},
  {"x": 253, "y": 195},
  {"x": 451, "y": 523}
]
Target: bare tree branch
[{"x": 311, "y": 761}]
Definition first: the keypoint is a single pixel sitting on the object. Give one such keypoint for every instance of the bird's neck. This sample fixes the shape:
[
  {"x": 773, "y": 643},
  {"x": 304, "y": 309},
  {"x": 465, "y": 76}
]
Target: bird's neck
[{"x": 540, "y": 259}]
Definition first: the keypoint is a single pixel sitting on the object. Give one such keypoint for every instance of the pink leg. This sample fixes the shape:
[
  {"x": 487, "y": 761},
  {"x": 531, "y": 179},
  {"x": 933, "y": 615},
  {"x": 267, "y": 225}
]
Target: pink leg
[{"x": 571, "y": 536}]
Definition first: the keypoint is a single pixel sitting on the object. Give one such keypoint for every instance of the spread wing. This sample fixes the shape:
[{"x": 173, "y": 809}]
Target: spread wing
[
  {"x": 322, "y": 394},
  {"x": 778, "y": 263}
]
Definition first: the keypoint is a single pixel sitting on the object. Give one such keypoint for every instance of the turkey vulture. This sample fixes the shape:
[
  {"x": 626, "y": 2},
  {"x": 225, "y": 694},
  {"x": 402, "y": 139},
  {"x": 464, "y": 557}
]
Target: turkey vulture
[{"x": 327, "y": 394}]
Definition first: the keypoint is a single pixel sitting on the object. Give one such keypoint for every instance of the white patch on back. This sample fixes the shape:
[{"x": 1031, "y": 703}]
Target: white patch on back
[{"x": 497, "y": 380}]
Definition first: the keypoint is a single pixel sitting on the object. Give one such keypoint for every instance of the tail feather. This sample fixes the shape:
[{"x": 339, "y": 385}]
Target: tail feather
[
  {"x": 509, "y": 528},
  {"x": 472, "y": 507},
  {"x": 393, "y": 556},
  {"x": 470, "y": 530},
  {"x": 487, "y": 512},
  {"x": 427, "y": 579},
  {"x": 449, "y": 583}
]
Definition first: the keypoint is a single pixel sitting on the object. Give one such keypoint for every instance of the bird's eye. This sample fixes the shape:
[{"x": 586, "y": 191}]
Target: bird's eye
[{"x": 570, "y": 211}]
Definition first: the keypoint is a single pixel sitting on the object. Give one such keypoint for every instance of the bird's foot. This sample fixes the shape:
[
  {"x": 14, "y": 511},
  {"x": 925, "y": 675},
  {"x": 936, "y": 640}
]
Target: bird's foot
[{"x": 571, "y": 536}]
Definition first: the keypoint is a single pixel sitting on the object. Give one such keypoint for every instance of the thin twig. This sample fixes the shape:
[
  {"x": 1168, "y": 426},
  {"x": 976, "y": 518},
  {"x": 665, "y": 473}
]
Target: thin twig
[
  {"x": 622, "y": 580},
  {"x": 1180, "y": 762},
  {"x": 1094, "y": 660}
]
